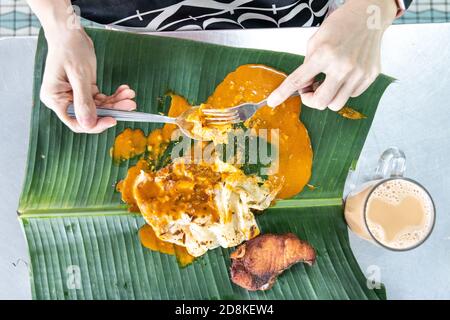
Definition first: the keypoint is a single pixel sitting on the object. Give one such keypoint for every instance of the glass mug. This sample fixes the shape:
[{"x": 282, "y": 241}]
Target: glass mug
[{"x": 393, "y": 211}]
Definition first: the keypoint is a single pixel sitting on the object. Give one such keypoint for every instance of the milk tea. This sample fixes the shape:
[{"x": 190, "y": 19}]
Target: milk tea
[{"x": 397, "y": 213}]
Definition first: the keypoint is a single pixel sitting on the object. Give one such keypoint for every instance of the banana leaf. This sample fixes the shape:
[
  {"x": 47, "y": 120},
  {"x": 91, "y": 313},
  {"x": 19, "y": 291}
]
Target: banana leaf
[{"x": 78, "y": 230}]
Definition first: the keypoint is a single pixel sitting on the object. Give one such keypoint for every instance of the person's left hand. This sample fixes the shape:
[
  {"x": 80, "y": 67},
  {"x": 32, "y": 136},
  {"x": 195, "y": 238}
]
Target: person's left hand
[
  {"x": 120, "y": 100},
  {"x": 346, "y": 48}
]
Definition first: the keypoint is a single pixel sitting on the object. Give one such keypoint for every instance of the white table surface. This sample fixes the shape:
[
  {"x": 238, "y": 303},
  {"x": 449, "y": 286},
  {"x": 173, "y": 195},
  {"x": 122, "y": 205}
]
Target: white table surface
[{"x": 413, "y": 115}]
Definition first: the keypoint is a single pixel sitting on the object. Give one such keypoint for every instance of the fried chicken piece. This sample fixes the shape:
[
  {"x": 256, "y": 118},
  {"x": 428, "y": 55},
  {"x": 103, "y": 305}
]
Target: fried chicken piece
[{"x": 257, "y": 263}]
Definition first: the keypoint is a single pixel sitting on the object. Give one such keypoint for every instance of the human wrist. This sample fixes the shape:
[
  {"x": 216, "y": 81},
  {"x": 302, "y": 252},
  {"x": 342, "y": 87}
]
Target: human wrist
[
  {"x": 61, "y": 33},
  {"x": 62, "y": 26},
  {"x": 57, "y": 18},
  {"x": 387, "y": 9}
]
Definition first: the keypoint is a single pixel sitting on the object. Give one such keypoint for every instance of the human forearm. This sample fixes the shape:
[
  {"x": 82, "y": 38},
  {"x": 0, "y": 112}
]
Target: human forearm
[{"x": 56, "y": 16}]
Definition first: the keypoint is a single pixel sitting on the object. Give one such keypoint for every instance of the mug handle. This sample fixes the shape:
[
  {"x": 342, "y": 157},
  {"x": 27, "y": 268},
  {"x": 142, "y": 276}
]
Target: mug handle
[{"x": 392, "y": 163}]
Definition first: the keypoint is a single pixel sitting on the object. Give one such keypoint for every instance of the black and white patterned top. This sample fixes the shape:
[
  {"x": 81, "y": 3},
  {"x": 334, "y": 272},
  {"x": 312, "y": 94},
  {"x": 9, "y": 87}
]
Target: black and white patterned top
[{"x": 170, "y": 15}]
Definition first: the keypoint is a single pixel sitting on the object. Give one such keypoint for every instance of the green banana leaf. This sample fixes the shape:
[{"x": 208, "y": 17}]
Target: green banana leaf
[{"x": 78, "y": 229}]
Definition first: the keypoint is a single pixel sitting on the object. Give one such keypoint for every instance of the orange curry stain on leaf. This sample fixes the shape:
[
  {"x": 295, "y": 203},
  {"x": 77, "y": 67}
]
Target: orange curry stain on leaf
[
  {"x": 351, "y": 113},
  {"x": 133, "y": 142},
  {"x": 151, "y": 241},
  {"x": 129, "y": 144}
]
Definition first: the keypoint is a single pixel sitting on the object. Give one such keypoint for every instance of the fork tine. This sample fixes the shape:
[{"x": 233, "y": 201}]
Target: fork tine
[
  {"x": 221, "y": 119},
  {"x": 236, "y": 117},
  {"x": 223, "y": 122},
  {"x": 222, "y": 116},
  {"x": 219, "y": 111}
]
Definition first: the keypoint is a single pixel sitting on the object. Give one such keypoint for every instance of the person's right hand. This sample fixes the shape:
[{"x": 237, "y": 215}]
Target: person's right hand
[{"x": 70, "y": 77}]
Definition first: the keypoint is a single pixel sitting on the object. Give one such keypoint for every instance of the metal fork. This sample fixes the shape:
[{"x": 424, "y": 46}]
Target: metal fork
[
  {"x": 244, "y": 111},
  {"x": 134, "y": 116}
]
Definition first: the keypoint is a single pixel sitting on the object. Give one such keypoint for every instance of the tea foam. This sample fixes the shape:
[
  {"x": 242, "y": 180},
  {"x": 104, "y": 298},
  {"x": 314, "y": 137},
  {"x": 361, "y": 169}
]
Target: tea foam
[{"x": 393, "y": 192}]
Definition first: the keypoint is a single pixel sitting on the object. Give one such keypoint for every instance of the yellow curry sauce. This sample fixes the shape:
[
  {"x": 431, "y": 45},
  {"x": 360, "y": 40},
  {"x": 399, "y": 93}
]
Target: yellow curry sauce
[
  {"x": 129, "y": 144},
  {"x": 155, "y": 143},
  {"x": 253, "y": 83},
  {"x": 146, "y": 233},
  {"x": 149, "y": 240},
  {"x": 248, "y": 83},
  {"x": 177, "y": 188}
]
